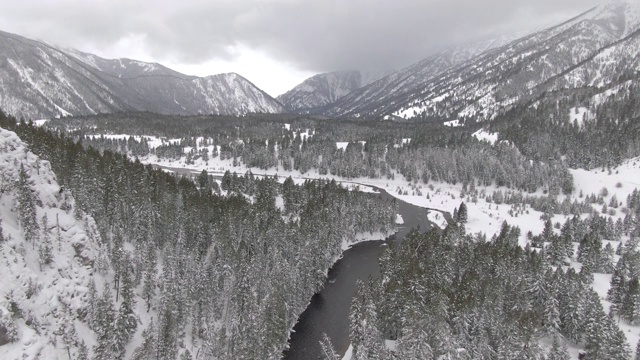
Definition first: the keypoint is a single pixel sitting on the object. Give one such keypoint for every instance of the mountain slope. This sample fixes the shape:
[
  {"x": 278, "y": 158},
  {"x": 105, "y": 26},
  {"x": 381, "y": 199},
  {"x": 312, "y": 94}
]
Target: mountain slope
[
  {"x": 593, "y": 49},
  {"x": 47, "y": 261},
  {"x": 408, "y": 79},
  {"x": 323, "y": 89},
  {"x": 41, "y": 81}
]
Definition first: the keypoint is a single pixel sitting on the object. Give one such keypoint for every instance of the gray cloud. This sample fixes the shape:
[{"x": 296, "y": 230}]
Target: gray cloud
[{"x": 314, "y": 35}]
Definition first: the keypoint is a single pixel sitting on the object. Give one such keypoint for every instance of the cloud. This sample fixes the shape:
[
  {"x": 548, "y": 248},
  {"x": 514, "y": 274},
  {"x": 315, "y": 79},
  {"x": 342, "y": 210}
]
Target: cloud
[{"x": 310, "y": 35}]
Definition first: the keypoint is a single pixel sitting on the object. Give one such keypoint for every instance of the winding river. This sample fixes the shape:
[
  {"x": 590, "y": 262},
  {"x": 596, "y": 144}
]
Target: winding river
[{"x": 328, "y": 311}]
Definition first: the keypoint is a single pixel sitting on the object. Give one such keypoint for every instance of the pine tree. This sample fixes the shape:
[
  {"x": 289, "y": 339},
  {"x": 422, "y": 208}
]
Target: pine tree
[
  {"x": 618, "y": 346},
  {"x": 617, "y": 289},
  {"x": 328, "y": 352},
  {"x": 631, "y": 301},
  {"x": 552, "y": 315},
  {"x": 149, "y": 275},
  {"x": 125, "y": 322},
  {"x": 203, "y": 180},
  {"x": 104, "y": 323},
  {"x": 68, "y": 335},
  {"x": 83, "y": 351},
  {"x": 356, "y": 320},
  {"x": 45, "y": 254},
  {"x": 149, "y": 347},
  {"x": 556, "y": 252},
  {"x": 607, "y": 258},
  {"x": 547, "y": 232},
  {"x": 559, "y": 350},
  {"x": 604, "y": 340},
  {"x": 462, "y": 214},
  {"x": 26, "y": 208}
]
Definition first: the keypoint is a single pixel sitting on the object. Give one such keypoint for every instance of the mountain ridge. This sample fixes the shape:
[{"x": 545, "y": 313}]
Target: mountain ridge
[
  {"x": 43, "y": 81},
  {"x": 450, "y": 85}
]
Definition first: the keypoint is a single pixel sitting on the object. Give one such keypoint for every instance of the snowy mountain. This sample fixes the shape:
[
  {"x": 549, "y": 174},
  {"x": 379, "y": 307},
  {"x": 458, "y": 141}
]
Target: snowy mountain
[
  {"x": 42, "y": 81},
  {"x": 323, "y": 89},
  {"x": 408, "y": 79},
  {"x": 48, "y": 258},
  {"x": 595, "y": 50}
]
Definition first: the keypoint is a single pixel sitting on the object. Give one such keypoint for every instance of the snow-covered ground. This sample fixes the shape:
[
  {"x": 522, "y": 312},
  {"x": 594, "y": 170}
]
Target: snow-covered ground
[
  {"x": 579, "y": 115},
  {"x": 484, "y": 135},
  {"x": 453, "y": 123},
  {"x": 153, "y": 141},
  {"x": 437, "y": 218}
]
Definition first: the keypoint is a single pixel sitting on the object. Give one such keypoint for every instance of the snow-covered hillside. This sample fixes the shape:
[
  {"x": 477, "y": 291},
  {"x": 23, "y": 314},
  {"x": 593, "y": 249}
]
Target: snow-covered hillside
[
  {"x": 43, "y": 81},
  {"x": 48, "y": 257},
  {"x": 392, "y": 88}
]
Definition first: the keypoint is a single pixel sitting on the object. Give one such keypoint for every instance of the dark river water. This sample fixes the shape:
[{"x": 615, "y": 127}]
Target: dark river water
[{"x": 328, "y": 311}]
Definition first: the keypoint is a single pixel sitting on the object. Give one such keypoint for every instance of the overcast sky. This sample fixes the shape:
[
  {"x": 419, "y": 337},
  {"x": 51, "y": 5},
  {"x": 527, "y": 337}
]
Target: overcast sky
[{"x": 276, "y": 43}]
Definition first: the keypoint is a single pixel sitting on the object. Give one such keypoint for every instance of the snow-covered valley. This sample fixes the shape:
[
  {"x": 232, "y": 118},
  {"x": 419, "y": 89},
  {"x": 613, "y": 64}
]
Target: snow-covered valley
[{"x": 487, "y": 206}]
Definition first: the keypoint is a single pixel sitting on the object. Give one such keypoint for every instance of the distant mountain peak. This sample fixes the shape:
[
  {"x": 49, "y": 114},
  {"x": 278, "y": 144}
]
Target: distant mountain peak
[
  {"x": 44, "y": 81},
  {"x": 323, "y": 89}
]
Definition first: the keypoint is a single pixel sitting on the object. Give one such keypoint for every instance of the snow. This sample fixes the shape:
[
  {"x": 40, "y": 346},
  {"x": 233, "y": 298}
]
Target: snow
[
  {"x": 621, "y": 181},
  {"x": 453, "y": 123},
  {"x": 578, "y": 115},
  {"x": 152, "y": 141},
  {"x": 391, "y": 344},
  {"x": 359, "y": 187},
  {"x": 349, "y": 354},
  {"x": 305, "y": 135},
  {"x": 437, "y": 218},
  {"x": 399, "y": 219},
  {"x": 484, "y": 135},
  {"x": 40, "y": 122},
  {"x": 362, "y": 237}
]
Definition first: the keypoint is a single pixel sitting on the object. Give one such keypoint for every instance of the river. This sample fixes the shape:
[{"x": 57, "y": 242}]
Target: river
[{"x": 328, "y": 311}]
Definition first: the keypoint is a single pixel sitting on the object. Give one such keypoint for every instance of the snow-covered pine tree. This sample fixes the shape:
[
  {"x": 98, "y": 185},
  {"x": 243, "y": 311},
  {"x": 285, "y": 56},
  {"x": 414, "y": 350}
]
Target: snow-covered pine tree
[
  {"x": 328, "y": 352},
  {"x": 559, "y": 350},
  {"x": 26, "y": 207}
]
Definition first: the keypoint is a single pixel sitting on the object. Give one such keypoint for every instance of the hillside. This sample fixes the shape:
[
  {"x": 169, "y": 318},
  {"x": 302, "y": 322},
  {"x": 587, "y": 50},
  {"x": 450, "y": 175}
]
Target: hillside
[
  {"x": 49, "y": 259},
  {"x": 43, "y": 81}
]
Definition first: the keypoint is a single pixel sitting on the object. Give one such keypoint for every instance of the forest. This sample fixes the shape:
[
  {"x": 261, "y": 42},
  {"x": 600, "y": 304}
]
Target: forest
[
  {"x": 374, "y": 150},
  {"x": 227, "y": 274},
  {"x": 455, "y": 296}
]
